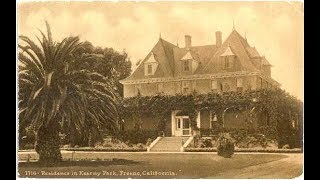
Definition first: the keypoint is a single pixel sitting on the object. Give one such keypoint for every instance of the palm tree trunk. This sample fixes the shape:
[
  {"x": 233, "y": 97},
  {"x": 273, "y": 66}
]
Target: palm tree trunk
[{"x": 48, "y": 143}]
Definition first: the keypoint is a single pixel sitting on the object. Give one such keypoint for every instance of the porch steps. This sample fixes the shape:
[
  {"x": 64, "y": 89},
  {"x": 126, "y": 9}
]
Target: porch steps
[{"x": 169, "y": 144}]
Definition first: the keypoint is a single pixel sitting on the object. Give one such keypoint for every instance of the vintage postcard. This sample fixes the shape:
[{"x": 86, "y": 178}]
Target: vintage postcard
[{"x": 165, "y": 90}]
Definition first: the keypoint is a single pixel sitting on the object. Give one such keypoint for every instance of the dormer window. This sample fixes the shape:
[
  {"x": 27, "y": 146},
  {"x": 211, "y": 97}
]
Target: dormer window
[
  {"x": 228, "y": 58},
  {"x": 226, "y": 62},
  {"x": 150, "y": 65},
  {"x": 189, "y": 64},
  {"x": 185, "y": 65},
  {"x": 149, "y": 68}
]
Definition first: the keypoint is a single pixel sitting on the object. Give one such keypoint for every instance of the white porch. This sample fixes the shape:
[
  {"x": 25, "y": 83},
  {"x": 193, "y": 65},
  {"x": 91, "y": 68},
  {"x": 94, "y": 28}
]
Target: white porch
[{"x": 181, "y": 125}]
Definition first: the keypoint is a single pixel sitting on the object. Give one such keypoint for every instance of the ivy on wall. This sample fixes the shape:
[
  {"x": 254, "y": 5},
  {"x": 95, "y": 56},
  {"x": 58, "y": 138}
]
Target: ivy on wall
[{"x": 280, "y": 107}]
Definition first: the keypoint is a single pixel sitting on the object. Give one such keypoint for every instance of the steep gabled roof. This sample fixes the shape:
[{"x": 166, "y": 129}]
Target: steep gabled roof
[
  {"x": 168, "y": 56},
  {"x": 253, "y": 53},
  {"x": 163, "y": 54},
  {"x": 238, "y": 46}
]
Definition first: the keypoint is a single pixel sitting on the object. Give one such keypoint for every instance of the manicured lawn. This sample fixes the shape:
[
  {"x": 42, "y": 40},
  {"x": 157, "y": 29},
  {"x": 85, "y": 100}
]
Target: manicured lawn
[{"x": 149, "y": 165}]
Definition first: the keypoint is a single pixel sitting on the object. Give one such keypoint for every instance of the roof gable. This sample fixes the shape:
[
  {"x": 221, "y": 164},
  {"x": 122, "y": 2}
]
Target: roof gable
[
  {"x": 151, "y": 59},
  {"x": 187, "y": 56},
  {"x": 237, "y": 45},
  {"x": 161, "y": 53},
  {"x": 228, "y": 52}
]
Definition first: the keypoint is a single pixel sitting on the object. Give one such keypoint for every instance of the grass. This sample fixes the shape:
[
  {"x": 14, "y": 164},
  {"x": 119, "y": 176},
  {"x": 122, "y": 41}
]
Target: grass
[{"x": 144, "y": 165}]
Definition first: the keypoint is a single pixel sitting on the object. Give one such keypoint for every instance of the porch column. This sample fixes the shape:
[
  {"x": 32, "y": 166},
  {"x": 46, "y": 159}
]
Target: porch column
[
  {"x": 173, "y": 122},
  {"x": 198, "y": 120}
]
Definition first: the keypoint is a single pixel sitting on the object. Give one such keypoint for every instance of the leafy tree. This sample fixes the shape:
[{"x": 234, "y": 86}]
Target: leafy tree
[
  {"x": 108, "y": 62},
  {"x": 54, "y": 92}
]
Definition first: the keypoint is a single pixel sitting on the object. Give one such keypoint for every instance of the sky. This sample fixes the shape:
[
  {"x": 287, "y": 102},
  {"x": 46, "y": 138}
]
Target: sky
[{"x": 275, "y": 29}]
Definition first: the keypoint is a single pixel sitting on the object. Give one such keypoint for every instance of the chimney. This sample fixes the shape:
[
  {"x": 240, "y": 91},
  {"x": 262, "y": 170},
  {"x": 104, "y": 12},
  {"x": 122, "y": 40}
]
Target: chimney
[
  {"x": 188, "y": 41},
  {"x": 218, "y": 38}
]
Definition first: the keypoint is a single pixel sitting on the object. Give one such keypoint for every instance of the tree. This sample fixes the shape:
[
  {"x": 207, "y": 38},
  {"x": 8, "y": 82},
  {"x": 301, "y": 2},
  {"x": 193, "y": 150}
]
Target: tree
[
  {"x": 55, "y": 92},
  {"x": 108, "y": 62}
]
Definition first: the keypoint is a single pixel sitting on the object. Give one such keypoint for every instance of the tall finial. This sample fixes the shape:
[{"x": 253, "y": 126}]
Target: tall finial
[
  {"x": 160, "y": 35},
  {"x": 233, "y": 28}
]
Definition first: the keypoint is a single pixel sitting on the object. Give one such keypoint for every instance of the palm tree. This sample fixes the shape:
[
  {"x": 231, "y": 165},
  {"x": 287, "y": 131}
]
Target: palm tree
[{"x": 55, "y": 92}]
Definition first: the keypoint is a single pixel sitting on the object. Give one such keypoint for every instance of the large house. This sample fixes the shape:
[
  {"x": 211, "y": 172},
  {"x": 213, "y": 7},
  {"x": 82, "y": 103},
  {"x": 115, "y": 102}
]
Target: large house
[{"x": 232, "y": 65}]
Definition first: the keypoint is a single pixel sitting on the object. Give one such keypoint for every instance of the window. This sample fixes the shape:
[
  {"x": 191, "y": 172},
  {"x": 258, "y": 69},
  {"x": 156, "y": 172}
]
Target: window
[
  {"x": 239, "y": 84},
  {"x": 226, "y": 62},
  {"x": 226, "y": 87},
  {"x": 185, "y": 65},
  {"x": 214, "y": 85},
  {"x": 185, "y": 90},
  {"x": 160, "y": 87},
  {"x": 213, "y": 119},
  {"x": 149, "y": 68},
  {"x": 138, "y": 89},
  {"x": 178, "y": 123},
  {"x": 293, "y": 124},
  {"x": 121, "y": 125},
  {"x": 186, "y": 123},
  {"x": 185, "y": 87},
  {"x": 150, "y": 65}
]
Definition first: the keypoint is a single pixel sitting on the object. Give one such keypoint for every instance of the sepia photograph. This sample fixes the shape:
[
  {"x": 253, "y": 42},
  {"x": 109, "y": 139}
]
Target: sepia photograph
[{"x": 160, "y": 90}]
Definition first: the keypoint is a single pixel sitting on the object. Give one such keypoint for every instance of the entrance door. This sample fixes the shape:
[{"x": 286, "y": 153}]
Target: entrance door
[{"x": 182, "y": 126}]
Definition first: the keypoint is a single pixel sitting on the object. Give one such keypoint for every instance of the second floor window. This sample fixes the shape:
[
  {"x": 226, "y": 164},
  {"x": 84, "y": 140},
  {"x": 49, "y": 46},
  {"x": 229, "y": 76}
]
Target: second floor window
[
  {"x": 185, "y": 87},
  {"x": 185, "y": 65},
  {"x": 159, "y": 87},
  {"x": 239, "y": 84},
  {"x": 214, "y": 85}
]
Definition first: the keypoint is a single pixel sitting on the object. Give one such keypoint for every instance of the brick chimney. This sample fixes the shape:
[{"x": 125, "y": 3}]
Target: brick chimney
[
  {"x": 218, "y": 38},
  {"x": 188, "y": 41}
]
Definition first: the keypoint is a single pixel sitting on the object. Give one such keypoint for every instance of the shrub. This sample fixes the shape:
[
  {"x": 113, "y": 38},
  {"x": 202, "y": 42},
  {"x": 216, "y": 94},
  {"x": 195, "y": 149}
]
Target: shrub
[
  {"x": 137, "y": 136},
  {"x": 225, "y": 145},
  {"x": 149, "y": 141},
  {"x": 29, "y": 146},
  {"x": 206, "y": 143},
  {"x": 140, "y": 145},
  {"x": 286, "y": 146}
]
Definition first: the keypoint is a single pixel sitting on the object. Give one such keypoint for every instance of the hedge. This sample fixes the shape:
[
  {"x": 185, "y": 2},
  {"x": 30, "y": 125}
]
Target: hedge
[
  {"x": 137, "y": 136},
  {"x": 108, "y": 149},
  {"x": 246, "y": 150}
]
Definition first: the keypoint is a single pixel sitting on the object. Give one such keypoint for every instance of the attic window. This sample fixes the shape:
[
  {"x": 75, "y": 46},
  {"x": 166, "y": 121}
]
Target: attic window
[
  {"x": 150, "y": 65},
  {"x": 227, "y": 58},
  {"x": 226, "y": 62},
  {"x": 149, "y": 68},
  {"x": 185, "y": 65}
]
